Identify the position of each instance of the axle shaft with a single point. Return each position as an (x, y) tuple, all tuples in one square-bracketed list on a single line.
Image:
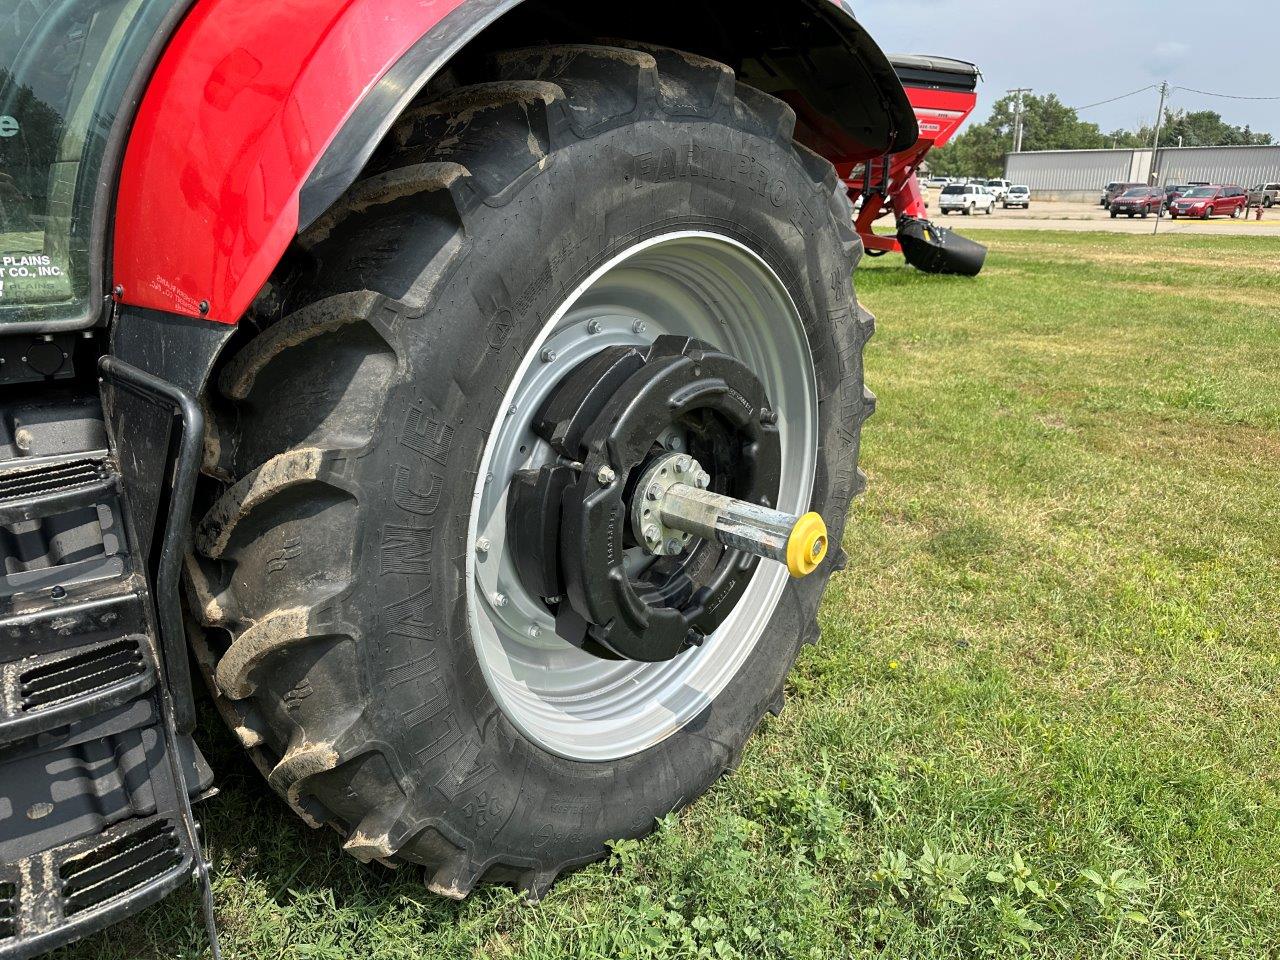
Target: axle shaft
[(799, 542)]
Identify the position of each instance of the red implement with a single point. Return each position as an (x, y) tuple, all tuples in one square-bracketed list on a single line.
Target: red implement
[(943, 93)]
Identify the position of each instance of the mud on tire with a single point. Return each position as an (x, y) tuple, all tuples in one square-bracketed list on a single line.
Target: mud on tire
[(328, 576)]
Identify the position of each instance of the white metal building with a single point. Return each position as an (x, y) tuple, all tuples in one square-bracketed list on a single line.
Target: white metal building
[(1081, 174)]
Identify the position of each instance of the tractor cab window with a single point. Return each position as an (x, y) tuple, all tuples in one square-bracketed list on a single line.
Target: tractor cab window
[(66, 67)]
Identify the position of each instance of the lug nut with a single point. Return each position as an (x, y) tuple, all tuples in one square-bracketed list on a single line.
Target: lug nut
[(701, 480), (482, 545), (499, 599), (606, 475), (534, 632), (654, 492), (652, 534), (549, 355), (593, 326), (639, 326)]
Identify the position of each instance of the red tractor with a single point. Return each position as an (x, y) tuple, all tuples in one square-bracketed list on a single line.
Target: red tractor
[(468, 392), (943, 94)]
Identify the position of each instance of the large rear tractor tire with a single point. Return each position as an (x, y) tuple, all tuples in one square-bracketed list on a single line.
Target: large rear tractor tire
[(367, 626)]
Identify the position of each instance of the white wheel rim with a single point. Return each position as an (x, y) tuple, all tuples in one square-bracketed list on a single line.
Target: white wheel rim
[(569, 702)]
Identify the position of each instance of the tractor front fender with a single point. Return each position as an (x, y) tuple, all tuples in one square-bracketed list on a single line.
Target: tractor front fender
[(259, 116)]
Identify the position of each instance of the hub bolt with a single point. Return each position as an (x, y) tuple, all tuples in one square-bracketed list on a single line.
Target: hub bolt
[(654, 492), (673, 443), (639, 326), (652, 534), (534, 632), (674, 546), (482, 545), (549, 355), (606, 475), (593, 326), (499, 599), (701, 480)]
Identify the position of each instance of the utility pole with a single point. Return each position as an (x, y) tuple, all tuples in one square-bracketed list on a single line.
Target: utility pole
[(1164, 93), (1155, 145), (1017, 117)]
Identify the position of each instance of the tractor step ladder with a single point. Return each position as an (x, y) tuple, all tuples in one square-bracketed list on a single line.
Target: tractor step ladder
[(83, 705)]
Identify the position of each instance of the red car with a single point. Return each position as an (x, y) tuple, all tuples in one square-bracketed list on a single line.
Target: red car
[(1139, 201), (1210, 201)]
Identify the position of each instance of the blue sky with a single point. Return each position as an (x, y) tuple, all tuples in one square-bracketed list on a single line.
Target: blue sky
[(1089, 50)]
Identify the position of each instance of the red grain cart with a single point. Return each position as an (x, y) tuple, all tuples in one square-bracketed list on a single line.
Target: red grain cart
[(943, 94)]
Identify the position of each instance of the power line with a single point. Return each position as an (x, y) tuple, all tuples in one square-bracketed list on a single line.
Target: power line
[(1224, 96), (1150, 86)]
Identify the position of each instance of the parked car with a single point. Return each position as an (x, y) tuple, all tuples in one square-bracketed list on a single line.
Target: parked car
[(1019, 195), (1114, 189), (1173, 191), (1139, 201), (937, 182), (999, 187), (967, 198), (1212, 201), (1266, 194)]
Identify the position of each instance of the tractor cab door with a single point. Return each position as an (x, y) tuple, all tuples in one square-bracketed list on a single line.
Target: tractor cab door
[(67, 71)]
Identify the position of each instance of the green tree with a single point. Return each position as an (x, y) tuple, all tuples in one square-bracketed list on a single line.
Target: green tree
[(1206, 128)]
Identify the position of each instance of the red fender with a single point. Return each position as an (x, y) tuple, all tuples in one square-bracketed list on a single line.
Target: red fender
[(227, 155), (244, 100)]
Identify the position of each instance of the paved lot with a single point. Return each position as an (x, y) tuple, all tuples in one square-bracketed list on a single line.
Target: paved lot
[(1062, 215)]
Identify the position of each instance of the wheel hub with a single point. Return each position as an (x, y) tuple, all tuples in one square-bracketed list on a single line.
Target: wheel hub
[(580, 514), (648, 526)]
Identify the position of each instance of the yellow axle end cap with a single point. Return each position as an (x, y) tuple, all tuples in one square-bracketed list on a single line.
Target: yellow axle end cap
[(807, 545)]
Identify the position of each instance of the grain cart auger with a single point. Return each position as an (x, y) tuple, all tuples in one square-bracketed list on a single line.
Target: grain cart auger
[(943, 94), (471, 404)]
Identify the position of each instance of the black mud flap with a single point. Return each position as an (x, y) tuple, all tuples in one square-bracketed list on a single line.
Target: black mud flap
[(935, 249), (96, 763)]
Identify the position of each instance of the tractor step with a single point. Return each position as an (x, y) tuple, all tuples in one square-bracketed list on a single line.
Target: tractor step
[(95, 772), (41, 693), (27, 493), (55, 894)]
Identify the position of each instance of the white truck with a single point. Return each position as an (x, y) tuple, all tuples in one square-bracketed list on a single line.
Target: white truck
[(966, 198)]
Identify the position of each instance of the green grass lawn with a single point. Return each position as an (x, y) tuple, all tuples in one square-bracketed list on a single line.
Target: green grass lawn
[(1043, 717)]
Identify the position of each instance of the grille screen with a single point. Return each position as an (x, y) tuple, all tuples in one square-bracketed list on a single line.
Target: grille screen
[(81, 673), (118, 866)]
